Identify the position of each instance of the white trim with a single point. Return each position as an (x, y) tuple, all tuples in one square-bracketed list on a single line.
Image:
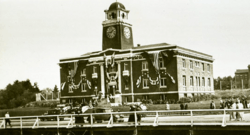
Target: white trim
[(195, 59), (151, 93), (131, 76), (119, 77), (102, 80), (77, 96)]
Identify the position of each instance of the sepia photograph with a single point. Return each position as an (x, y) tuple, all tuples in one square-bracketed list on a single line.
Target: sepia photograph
[(108, 67)]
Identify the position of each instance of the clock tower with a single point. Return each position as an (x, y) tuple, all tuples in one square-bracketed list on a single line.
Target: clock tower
[(117, 32)]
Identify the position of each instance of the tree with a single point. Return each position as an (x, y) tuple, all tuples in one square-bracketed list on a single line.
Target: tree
[(36, 88), (55, 89), (17, 94)]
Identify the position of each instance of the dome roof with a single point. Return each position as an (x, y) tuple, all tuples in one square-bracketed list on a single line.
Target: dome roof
[(116, 5)]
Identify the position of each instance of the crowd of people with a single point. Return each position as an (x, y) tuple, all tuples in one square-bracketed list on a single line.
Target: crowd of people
[(233, 104)]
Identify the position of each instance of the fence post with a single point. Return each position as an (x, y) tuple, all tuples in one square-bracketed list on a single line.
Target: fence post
[(91, 120), (4, 123), (224, 119), (135, 119), (21, 123), (192, 120), (37, 121), (156, 119), (112, 121), (58, 119)]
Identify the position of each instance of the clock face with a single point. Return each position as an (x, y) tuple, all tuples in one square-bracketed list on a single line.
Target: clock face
[(127, 32), (111, 31)]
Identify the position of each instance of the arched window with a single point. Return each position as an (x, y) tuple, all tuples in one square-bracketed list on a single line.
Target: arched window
[(123, 15), (113, 15)]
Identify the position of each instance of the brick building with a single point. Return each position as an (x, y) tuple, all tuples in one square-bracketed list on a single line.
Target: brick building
[(121, 72), (242, 79)]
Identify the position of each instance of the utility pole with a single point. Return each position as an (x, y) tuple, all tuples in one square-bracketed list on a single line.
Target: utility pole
[(231, 84), (242, 84), (220, 86)]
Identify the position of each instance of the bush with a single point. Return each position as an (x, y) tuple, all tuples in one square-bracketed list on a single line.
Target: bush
[(185, 100)]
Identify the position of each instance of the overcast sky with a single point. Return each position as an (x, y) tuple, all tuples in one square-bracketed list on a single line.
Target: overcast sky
[(35, 34)]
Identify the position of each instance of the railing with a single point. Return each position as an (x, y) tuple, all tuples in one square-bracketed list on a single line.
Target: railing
[(191, 118)]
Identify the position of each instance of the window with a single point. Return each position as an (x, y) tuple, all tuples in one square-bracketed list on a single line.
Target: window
[(163, 82), (84, 87), (84, 71), (94, 69), (197, 64), (203, 81), (145, 83), (125, 66), (202, 65), (191, 64), (184, 80), (209, 82), (70, 100), (126, 87), (70, 89), (208, 67), (162, 97), (183, 63), (198, 81), (196, 78), (161, 63), (145, 97), (144, 65), (191, 81), (125, 99)]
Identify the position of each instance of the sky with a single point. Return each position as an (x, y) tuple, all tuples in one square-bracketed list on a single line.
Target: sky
[(35, 34)]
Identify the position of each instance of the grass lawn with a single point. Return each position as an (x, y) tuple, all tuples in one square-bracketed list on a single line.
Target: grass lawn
[(29, 111)]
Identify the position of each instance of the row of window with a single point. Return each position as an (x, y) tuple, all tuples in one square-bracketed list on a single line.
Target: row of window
[(145, 64), (199, 81), (145, 83), (126, 66), (113, 69), (197, 64), (83, 88)]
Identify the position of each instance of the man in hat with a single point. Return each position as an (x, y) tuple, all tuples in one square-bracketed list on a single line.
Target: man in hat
[(7, 120)]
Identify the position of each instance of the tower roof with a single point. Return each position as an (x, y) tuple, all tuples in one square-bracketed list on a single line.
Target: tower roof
[(116, 5)]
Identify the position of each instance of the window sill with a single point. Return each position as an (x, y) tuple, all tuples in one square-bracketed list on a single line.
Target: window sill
[(163, 86), (126, 88), (70, 91), (162, 68), (144, 70), (84, 90), (145, 87)]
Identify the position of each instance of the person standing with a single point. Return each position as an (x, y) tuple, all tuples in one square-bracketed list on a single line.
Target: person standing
[(167, 106), (232, 113), (240, 114), (182, 108), (7, 119), (222, 104), (212, 105), (246, 103)]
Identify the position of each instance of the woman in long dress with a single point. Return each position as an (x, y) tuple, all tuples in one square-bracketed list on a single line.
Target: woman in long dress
[(240, 114), (232, 114), (132, 116)]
